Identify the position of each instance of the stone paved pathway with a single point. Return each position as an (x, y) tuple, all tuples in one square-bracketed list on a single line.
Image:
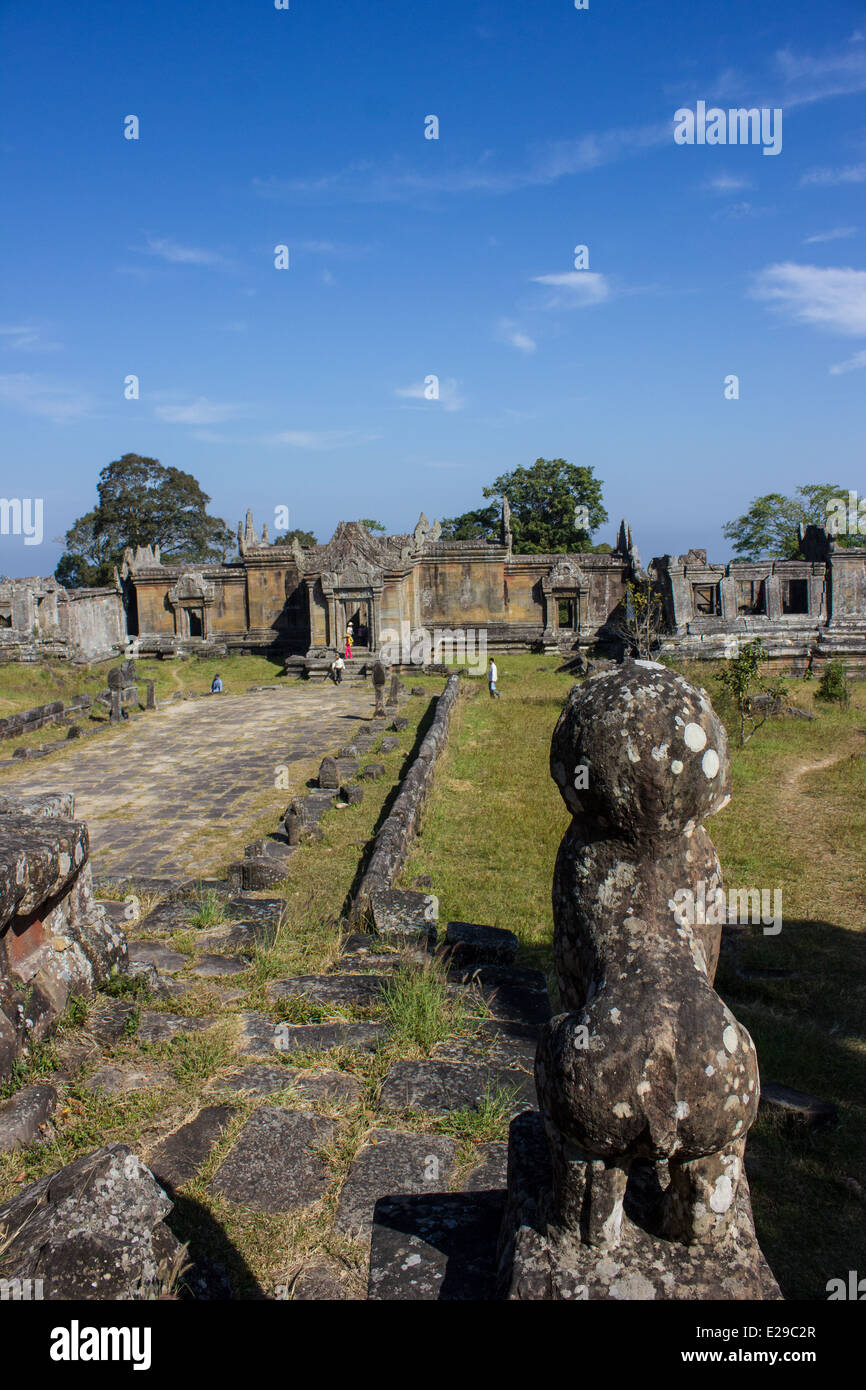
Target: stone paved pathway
[(171, 794)]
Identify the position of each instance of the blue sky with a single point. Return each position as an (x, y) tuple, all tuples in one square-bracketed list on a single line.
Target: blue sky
[(412, 257)]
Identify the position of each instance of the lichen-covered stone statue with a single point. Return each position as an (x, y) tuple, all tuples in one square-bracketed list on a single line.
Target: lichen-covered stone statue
[(647, 1083)]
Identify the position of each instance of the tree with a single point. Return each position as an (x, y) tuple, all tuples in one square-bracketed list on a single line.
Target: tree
[(304, 538), (375, 526), (141, 503), (753, 701), (771, 525), (555, 506), (643, 622), (480, 525)]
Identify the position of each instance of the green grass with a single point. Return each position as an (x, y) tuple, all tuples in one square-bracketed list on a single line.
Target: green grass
[(419, 1008)]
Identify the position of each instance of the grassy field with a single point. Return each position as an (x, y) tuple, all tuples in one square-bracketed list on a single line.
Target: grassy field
[(797, 820)]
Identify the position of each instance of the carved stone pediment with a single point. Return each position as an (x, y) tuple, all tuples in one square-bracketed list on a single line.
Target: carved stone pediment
[(191, 588), (565, 574)]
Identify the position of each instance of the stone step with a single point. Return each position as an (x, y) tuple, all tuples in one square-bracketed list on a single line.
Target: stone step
[(310, 1086), (512, 993), (798, 1107), (472, 944), (402, 916), (439, 1087)]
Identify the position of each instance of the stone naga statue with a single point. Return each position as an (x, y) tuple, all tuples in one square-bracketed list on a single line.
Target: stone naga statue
[(648, 1063)]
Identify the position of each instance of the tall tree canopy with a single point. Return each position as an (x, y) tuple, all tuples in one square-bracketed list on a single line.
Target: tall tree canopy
[(304, 538), (770, 528), (555, 506), (141, 503)]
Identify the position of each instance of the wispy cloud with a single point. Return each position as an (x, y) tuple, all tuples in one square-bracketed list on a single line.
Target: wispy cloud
[(26, 338), (852, 364), (728, 183), (166, 249), (59, 403), (580, 288), (852, 173), (836, 234), (365, 181), (449, 397), (200, 411), (320, 440), (509, 332), (832, 299)]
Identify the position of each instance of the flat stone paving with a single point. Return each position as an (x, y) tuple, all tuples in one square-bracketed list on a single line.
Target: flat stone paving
[(162, 795)]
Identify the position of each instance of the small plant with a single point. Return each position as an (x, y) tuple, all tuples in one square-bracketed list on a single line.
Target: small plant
[(740, 679), (210, 911), (127, 987), (196, 1056), (419, 1009), (833, 686), (488, 1120), (77, 1010)]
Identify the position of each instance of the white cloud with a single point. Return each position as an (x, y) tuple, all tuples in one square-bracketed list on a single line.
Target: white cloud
[(449, 396), (727, 183), (169, 250), (581, 288), (320, 440), (509, 332), (327, 278), (834, 299), (852, 364), (24, 338), (852, 173), (201, 411), (836, 234), (36, 397)]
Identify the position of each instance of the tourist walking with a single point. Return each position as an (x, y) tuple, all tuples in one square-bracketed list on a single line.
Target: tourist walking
[(349, 645), (216, 686), (337, 666), (492, 678)]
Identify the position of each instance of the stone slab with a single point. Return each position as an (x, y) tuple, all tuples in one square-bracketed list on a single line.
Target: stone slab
[(179, 1157), (308, 1085), (393, 1161), (160, 957), (158, 1028), (363, 991), (473, 944), (435, 1247), (439, 1087), (275, 1165)]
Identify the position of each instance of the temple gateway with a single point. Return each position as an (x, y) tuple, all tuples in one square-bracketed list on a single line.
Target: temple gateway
[(297, 603)]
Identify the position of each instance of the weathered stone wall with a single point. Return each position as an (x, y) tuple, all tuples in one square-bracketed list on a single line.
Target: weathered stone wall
[(42, 619), (41, 716), (55, 940), (400, 827)]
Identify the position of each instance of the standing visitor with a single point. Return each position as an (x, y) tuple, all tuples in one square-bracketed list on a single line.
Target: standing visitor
[(492, 678), (337, 669), (216, 686)]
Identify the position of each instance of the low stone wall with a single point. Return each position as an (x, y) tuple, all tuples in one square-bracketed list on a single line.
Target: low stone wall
[(400, 827), (26, 721), (55, 940)]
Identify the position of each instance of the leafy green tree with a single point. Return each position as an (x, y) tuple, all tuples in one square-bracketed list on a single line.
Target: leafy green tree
[(771, 525), (141, 503), (644, 617), (555, 506), (480, 525), (753, 699), (304, 538), (375, 526)]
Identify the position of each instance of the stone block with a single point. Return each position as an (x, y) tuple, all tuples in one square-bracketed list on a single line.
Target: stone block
[(275, 1165)]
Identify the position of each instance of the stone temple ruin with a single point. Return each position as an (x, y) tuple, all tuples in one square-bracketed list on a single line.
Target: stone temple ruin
[(296, 603)]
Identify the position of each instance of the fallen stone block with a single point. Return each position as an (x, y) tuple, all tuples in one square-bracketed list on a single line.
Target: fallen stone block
[(472, 944), (399, 915), (373, 771), (94, 1230), (25, 1116), (353, 796), (798, 1107)]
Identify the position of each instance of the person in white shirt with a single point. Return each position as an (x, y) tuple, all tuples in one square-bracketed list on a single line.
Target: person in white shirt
[(492, 678), (337, 669)]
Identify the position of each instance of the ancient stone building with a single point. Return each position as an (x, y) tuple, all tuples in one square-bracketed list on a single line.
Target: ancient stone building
[(39, 618), (404, 591)]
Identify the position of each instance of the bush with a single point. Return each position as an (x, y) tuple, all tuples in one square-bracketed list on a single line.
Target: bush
[(834, 685)]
